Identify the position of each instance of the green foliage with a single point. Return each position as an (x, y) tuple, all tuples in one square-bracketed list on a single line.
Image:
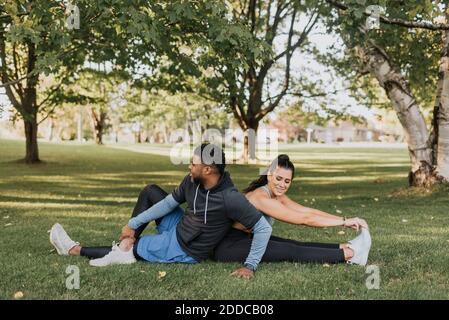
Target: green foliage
[(162, 111), (298, 115), (414, 51)]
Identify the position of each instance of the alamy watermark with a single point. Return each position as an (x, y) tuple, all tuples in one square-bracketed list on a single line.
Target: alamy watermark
[(262, 146), (72, 282), (374, 12), (73, 20), (373, 280)]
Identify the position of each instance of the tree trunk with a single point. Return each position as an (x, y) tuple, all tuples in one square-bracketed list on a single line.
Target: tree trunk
[(407, 110), (441, 115), (99, 135), (249, 144), (98, 125), (51, 129), (79, 125), (32, 150)]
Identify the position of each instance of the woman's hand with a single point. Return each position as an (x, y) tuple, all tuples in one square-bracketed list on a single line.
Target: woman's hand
[(127, 232), (356, 223)]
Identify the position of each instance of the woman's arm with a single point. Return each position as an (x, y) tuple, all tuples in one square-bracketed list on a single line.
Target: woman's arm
[(297, 207), (280, 211), (354, 223)]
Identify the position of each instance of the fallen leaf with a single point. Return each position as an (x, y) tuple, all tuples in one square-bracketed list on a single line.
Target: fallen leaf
[(18, 295), (161, 274), (341, 232)]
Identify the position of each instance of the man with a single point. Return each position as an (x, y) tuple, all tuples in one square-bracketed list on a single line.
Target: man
[(213, 205)]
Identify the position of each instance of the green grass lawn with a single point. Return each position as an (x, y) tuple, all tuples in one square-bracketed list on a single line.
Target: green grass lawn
[(91, 191)]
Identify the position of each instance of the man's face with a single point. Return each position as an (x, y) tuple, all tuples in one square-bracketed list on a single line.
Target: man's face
[(196, 168)]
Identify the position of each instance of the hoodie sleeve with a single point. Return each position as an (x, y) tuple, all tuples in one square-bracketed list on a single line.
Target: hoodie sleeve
[(179, 193), (160, 209), (239, 209), (262, 232)]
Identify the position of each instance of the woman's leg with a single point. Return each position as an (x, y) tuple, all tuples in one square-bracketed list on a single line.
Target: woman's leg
[(236, 247), (149, 196), (307, 244)]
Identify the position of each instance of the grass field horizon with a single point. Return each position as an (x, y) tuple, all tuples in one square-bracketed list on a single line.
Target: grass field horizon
[(91, 191)]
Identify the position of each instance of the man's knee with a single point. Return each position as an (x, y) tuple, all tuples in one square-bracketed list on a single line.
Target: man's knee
[(149, 189)]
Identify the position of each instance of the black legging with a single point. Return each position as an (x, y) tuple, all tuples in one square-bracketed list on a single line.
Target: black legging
[(150, 195), (236, 245)]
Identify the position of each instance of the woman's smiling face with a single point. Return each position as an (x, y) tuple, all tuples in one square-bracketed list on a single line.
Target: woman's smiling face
[(279, 181)]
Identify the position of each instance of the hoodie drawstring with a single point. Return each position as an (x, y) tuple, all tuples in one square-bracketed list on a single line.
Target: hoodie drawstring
[(207, 201), (205, 210), (194, 200)]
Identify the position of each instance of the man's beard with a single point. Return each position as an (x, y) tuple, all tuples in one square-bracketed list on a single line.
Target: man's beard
[(196, 180)]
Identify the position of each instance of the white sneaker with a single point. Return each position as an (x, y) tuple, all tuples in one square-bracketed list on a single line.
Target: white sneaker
[(361, 246), (116, 256), (61, 240)]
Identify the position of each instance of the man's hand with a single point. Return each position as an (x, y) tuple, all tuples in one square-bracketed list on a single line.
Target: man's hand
[(356, 223), (244, 273), (127, 232)]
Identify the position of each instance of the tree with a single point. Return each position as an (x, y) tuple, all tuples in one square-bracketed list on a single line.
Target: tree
[(98, 89), (35, 41), (246, 64), (404, 63)]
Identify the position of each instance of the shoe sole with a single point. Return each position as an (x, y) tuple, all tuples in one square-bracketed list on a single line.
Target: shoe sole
[(53, 243), (367, 248), (112, 264)]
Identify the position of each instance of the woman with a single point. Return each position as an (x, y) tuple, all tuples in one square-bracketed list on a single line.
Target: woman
[(268, 195)]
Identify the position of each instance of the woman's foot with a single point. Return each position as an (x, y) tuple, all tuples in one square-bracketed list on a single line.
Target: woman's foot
[(361, 246), (61, 240)]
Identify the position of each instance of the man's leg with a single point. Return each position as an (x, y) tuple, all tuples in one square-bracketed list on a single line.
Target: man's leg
[(149, 196)]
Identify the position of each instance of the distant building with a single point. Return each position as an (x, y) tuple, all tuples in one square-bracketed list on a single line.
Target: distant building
[(345, 131)]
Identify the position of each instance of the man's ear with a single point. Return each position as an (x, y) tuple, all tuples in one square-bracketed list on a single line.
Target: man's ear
[(209, 170), (206, 170)]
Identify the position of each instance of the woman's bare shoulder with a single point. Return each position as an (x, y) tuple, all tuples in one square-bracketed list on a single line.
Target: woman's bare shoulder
[(257, 194)]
